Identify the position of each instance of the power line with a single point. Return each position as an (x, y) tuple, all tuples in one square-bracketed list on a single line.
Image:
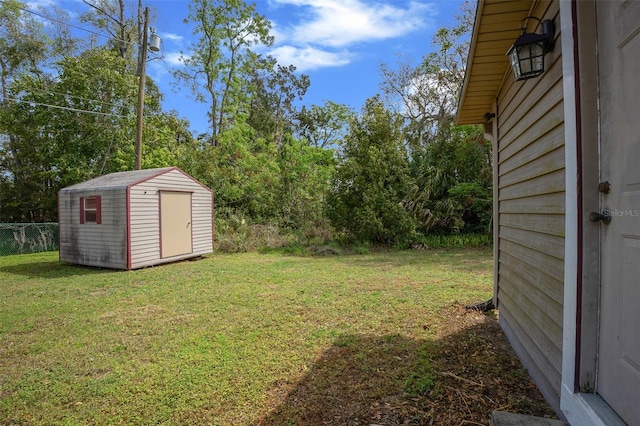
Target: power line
[(32, 89), (72, 25), (66, 94), (108, 114)]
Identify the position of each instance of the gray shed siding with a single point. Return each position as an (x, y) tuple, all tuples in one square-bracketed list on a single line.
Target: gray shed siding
[(103, 245), (145, 217), (531, 215), (128, 236)]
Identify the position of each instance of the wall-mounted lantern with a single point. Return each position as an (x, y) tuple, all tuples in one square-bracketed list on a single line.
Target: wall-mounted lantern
[(527, 53)]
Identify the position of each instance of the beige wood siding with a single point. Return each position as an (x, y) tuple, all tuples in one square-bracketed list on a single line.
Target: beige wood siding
[(531, 207), (103, 245), (145, 219)]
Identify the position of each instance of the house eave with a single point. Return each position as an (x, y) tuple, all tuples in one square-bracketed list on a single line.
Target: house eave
[(496, 27)]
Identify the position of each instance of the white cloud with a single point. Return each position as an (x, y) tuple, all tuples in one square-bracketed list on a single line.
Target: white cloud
[(37, 4), (279, 35), (172, 37), (340, 23), (175, 58), (327, 31), (310, 58)]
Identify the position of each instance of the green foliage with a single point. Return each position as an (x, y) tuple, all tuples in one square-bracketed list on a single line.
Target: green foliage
[(453, 191), (439, 241), (274, 89), (290, 176), (324, 126), (304, 175), (86, 133), (244, 174), (450, 165), (50, 148), (421, 382), (362, 249), (237, 234), (221, 59), (167, 141), (110, 16), (371, 180), (22, 43)]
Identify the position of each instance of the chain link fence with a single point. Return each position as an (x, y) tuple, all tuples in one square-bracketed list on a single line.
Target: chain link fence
[(20, 238)]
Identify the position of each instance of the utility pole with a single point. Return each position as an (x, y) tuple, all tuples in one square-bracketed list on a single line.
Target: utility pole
[(142, 54)]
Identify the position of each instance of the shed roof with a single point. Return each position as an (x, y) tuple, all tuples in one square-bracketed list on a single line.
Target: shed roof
[(119, 180), (497, 26)]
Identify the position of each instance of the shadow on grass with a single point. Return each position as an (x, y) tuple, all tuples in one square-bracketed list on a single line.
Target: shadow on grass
[(51, 269), (459, 378)]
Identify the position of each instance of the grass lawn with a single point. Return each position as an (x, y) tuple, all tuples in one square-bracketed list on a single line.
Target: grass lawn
[(248, 339)]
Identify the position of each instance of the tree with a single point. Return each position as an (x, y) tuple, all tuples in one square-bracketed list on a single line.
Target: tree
[(304, 181), (22, 47), (451, 165), (372, 179), (22, 43), (65, 128), (77, 124), (427, 94), (274, 89), (63, 43), (324, 126), (67, 114), (110, 16), (453, 179), (245, 174), (221, 57)]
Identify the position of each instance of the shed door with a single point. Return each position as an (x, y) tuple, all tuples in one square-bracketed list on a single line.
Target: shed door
[(618, 380), (175, 223)]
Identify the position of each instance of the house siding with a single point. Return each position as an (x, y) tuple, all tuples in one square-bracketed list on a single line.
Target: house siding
[(531, 215), (145, 217), (101, 245)]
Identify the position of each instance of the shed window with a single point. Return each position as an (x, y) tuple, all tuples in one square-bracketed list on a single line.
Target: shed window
[(90, 210)]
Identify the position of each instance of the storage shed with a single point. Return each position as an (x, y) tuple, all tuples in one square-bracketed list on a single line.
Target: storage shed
[(134, 219)]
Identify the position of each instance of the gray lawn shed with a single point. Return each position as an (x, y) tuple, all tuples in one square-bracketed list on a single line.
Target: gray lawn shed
[(134, 219)]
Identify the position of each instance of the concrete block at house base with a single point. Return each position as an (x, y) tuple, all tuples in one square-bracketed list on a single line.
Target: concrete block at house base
[(502, 418)]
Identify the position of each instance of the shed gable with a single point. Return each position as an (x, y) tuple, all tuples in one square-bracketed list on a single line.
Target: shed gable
[(144, 215)]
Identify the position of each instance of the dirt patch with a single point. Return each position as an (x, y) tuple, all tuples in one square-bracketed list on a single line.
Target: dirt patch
[(478, 373), (458, 378)]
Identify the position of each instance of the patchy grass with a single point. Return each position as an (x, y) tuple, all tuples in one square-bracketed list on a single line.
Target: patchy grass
[(248, 339)]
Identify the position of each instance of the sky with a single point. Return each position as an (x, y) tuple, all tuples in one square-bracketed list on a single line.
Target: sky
[(339, 44)]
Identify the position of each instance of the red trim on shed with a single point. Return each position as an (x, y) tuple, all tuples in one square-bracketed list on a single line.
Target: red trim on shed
[(128, 226), (59, 232), (169, 170), (159, 193), (98, 209)]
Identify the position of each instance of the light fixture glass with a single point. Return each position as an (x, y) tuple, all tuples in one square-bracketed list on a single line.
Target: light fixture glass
[(527, 53)]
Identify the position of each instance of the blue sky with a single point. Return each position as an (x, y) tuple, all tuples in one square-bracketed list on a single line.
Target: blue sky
[(340, 44)]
